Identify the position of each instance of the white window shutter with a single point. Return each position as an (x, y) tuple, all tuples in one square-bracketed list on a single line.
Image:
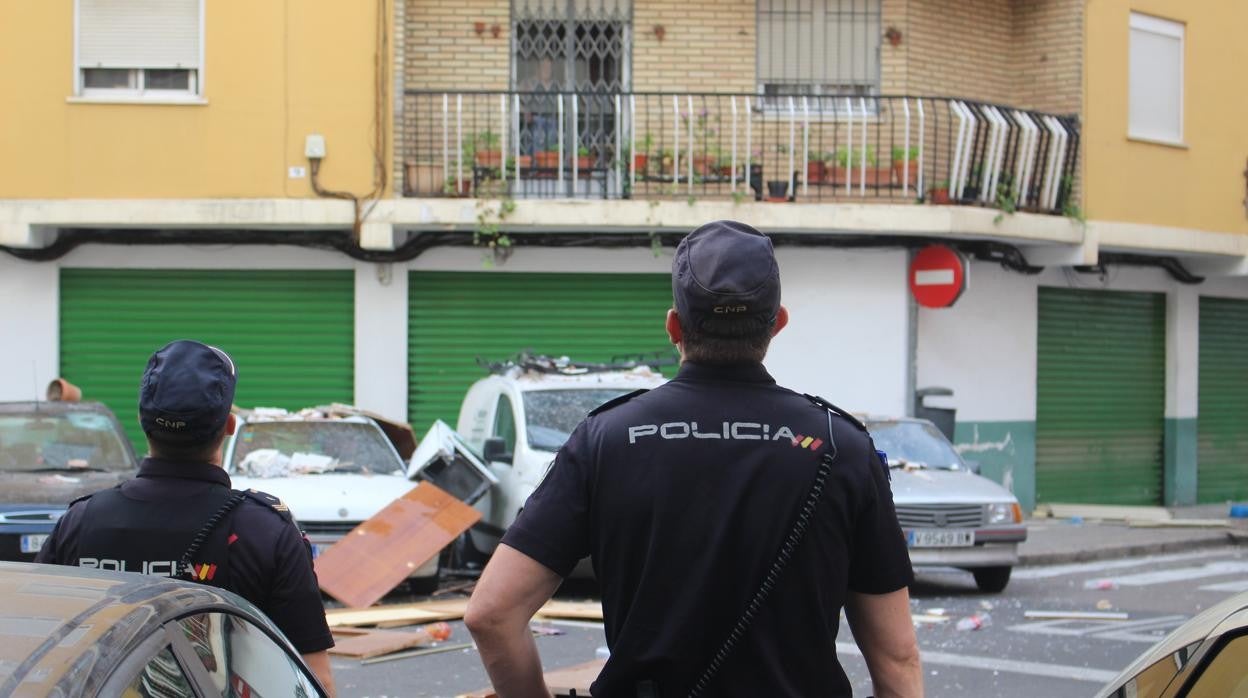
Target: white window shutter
[(1156, 79), (138, 33)]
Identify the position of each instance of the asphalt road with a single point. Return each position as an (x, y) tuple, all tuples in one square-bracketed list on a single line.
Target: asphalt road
[(1008, 655)]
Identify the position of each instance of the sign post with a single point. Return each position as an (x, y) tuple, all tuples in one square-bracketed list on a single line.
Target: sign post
[(937, 276)]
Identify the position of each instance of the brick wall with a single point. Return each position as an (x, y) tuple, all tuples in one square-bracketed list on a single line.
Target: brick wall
[(1048, 55), (707, 45), (444, 51), (958, 48)]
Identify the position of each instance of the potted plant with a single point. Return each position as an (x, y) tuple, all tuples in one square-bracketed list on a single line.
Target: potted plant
[(455, 187), (667, 164), (777, 190), (546, 159), (816, 169), (486, 147), (584, 161), (905, 160), (642, 155), (723, 165), (939, 194)]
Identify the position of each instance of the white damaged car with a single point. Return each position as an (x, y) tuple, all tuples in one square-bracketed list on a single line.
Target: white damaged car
[(334, 472)]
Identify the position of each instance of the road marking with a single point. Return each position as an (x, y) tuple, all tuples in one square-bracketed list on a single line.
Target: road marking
[(1128, 631), (1183, 574), (1235, 587), (1060, 671), (1100, 565)]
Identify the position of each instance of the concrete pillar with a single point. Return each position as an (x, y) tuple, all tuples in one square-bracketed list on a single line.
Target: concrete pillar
[(29, 327), (381, 339), (1182, 375)]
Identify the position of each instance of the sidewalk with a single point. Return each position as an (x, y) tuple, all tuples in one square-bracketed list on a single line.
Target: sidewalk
[(1054, 541)]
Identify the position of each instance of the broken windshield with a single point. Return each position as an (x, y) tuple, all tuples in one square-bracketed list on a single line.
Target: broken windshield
[(282, 449), (551, 415), (67, 441), (914, 443)]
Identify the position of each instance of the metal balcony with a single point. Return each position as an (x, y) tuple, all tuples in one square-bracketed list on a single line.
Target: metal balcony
[(736, 146)]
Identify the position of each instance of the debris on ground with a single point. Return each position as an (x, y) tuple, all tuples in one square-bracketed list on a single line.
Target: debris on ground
[(975, 621), (1179, 523), (576, 610), (1103, 512), (405, 614), (545, 630), (1074, 615), (1104, 605), (444, 459), (382, 551), (363, 644), (1101, 584), (569, 681), (418, 653)]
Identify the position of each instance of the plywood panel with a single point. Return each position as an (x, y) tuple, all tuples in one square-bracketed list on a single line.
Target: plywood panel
[(382, 551)]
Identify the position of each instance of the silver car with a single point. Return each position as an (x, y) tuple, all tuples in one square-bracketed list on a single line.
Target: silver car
[(951, 516)]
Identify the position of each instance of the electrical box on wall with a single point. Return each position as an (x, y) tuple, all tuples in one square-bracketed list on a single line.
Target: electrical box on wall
[(314, 147)]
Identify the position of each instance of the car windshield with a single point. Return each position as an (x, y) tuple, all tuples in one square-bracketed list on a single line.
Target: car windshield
[(36, 442), (551, 415), (283, 449), (914, 443)]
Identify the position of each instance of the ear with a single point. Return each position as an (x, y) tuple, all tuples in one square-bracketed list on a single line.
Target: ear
[(673, 326), (782, 319), (231, 425)]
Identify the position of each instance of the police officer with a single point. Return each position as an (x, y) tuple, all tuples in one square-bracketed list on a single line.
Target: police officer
[(179, 517), (686, 498)]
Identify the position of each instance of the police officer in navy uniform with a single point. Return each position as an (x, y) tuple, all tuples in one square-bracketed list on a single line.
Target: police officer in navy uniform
[(685, 496), (179, 517)]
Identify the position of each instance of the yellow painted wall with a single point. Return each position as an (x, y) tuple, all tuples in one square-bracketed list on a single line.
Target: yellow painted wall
[(274, 72), (1201, 186)]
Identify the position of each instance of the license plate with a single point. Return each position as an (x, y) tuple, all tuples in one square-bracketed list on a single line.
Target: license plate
[(34, 542), (938, 538)]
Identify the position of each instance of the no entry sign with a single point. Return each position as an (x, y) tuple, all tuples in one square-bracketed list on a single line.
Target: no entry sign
[(937, 276)]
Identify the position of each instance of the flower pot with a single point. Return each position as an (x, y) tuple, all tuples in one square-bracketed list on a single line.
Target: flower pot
[(703, 164), (777, 189), (583, 162), (874, 176), (61, 390), (816, 171), (489, 158), (639, 163), (546, 159), (835, 175), (938, 195), (899, 172), (724, 171), (457, 188)]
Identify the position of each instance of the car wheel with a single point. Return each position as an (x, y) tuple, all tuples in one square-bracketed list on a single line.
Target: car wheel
[(991, 580)]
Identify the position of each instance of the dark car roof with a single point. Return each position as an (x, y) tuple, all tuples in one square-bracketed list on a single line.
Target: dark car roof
[(68, 627)]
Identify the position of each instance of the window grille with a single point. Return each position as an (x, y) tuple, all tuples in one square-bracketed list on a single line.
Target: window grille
[(818, 48)]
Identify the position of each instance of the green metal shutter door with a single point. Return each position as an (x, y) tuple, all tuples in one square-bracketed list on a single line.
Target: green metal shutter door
[(456, 317), (1100, 403), (1222, 418), (291, 333)]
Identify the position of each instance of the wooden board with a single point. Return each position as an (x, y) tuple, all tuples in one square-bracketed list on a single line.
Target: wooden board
[(381, 552), (396, 614), (579, 610), (1180, 523), (1104, 511), (349, 642), (561, 682)]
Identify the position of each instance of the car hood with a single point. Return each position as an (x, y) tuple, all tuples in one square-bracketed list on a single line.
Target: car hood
[(948, 486), (55, 488), (331, 496)]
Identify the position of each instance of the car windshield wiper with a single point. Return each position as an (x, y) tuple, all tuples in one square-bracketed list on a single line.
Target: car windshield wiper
[(68, 469)]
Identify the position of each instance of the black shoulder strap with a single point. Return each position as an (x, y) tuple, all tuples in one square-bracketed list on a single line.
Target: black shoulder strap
[(836, 411), (616, 401), (184, 564)]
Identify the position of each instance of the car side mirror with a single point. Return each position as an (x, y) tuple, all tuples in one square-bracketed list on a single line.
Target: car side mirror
[(494, 450), (973, 466)]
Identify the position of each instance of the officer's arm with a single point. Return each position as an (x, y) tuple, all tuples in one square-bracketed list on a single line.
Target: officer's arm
[(318, 662), (884, 632), (512, 588)]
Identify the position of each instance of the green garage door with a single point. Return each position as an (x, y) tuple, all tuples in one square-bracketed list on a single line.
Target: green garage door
[(1222, 420), (290, 332), (457, 317), (1100, 403)]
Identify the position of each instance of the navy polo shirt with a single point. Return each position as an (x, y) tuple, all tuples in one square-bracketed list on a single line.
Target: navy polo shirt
[(682, 497), (270, 562)]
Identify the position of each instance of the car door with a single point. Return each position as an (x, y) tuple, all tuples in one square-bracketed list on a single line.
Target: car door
[(510, 493), (227, 654)]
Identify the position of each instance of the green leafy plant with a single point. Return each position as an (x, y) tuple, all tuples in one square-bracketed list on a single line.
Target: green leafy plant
[(488, 235), (845, 157), (901, 154), (582, 151)]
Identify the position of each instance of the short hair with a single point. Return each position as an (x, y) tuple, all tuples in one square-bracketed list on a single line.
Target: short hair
[(704, 348), (192, 452)]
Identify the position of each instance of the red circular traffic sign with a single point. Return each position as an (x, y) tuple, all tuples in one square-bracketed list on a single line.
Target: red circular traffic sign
[(937, 276)]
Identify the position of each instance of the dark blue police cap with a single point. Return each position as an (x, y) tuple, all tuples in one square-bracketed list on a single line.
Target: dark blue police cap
[(725, 280), (186, 393)]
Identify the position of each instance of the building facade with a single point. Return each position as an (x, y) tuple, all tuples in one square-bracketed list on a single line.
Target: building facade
[(360, 202)]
